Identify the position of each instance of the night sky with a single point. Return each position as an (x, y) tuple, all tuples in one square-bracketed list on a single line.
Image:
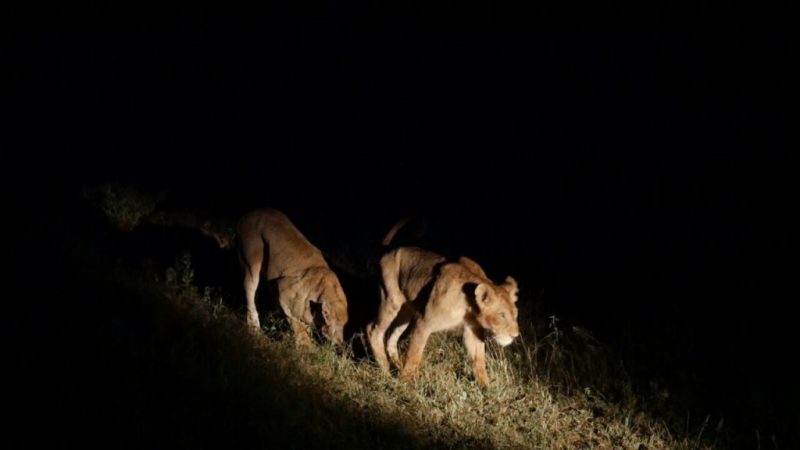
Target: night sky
[(637, 165)]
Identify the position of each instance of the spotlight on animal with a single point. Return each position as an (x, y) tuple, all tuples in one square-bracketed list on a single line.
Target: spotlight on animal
[(270, 245), (421, 287)]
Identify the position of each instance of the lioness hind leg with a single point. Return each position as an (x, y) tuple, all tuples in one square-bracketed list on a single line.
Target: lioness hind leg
[(250, 287), (392, 299), (376, 331), (402, 322), (251, 257)]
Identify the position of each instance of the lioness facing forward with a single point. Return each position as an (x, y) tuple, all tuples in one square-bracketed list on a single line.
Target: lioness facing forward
[(271, 244), (442, 296)]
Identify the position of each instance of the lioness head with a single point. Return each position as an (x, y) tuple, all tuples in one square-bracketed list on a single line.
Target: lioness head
[(334, 310), (497, 310), (224, 234)]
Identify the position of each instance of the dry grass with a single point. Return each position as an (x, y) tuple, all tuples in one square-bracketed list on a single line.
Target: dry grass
[(185, 373), (346, 402)]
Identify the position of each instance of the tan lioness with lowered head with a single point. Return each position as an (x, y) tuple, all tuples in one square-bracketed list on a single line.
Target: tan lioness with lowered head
[(270, 244), (421, 286)]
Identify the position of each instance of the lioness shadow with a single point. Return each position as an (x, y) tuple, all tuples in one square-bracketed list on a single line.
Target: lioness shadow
[(363, 299)]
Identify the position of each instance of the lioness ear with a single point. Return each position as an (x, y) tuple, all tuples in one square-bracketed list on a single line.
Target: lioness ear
[(510, 285), (482, 295)]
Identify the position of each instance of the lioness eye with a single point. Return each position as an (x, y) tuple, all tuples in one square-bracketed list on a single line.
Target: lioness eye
[(503, 315)]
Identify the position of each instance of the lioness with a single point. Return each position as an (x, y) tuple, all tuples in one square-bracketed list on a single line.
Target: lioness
[(442, 296), (220, 231), (270, 243)]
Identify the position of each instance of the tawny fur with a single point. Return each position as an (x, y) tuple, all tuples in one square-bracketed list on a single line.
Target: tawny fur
[(420, 287), (271, 245)]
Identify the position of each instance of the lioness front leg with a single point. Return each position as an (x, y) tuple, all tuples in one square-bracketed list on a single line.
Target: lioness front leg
[(476, 349), (302, 335), (296, 307), (376, 331), (416, 348)]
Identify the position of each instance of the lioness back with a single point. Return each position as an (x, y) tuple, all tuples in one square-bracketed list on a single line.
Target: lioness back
[(412, 267), (288, 251)]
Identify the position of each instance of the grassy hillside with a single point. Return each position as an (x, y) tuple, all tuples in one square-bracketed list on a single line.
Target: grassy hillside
[(113, 357)]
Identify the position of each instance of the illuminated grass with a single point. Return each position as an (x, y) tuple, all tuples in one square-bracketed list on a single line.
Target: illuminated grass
[(184, 372), (326, 395)]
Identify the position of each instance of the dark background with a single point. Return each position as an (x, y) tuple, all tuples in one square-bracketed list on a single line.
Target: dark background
[(636, 164)]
